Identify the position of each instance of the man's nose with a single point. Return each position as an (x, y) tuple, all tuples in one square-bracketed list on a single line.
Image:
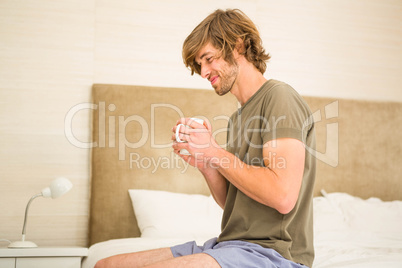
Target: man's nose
[(205, 72)]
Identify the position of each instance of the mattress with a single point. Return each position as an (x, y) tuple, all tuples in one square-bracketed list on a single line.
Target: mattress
[(348, 232)]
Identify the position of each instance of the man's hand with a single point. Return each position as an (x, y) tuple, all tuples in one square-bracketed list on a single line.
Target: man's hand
[(198, 142)]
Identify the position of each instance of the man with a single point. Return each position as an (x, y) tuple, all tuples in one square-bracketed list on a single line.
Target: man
[(264, 179)]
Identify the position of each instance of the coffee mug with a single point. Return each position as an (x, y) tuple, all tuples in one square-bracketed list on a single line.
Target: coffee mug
[(199, 121)]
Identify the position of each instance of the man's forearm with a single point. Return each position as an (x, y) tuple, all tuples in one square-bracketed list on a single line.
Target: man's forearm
[(216, 183)]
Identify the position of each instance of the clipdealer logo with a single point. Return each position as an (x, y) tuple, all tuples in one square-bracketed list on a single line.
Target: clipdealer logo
[(331, 154), (109, 124)]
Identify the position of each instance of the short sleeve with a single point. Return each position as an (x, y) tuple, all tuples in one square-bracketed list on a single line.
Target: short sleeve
[(286, 115)]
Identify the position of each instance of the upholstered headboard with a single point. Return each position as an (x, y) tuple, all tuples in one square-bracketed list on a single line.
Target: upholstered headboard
[(358, 148)]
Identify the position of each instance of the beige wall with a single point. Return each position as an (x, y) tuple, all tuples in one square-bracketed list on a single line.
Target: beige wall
[(51, 52)]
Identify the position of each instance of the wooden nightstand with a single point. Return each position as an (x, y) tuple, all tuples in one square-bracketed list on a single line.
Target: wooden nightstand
[(41, 257)]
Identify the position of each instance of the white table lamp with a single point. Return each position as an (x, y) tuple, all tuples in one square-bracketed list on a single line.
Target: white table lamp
[(57, 188)]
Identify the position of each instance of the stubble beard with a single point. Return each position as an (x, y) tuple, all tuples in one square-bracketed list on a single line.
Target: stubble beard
[(228, 78)]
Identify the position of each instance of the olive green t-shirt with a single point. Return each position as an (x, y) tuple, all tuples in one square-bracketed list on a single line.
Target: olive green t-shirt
[(275, 111)]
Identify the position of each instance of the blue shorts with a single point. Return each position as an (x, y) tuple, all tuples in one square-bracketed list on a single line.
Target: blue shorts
[(236, 254)]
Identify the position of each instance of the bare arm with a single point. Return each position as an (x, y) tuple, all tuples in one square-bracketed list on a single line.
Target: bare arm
[(275, 185), (278, 184), (217, 185)]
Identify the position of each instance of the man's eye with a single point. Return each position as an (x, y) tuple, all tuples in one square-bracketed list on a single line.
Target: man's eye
[(210, 59)]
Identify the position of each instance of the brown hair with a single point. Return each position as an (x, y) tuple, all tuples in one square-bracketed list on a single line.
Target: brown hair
[(223, 29)]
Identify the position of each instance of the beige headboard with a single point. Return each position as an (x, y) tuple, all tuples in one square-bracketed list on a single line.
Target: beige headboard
[(358, 147)]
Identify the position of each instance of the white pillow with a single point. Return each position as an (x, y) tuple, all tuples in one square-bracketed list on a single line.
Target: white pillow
[(374, 216), (174, 215), (342, 211), (327, 216)]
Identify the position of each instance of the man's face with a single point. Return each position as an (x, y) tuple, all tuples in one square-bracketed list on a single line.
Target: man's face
[(220, 73)]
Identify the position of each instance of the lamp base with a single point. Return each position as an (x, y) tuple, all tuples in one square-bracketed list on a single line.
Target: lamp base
[(22, 244)]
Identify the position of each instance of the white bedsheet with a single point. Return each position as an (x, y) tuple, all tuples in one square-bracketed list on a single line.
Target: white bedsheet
[(349, 232)]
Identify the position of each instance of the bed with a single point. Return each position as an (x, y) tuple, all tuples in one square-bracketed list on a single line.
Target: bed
[(143, 196)]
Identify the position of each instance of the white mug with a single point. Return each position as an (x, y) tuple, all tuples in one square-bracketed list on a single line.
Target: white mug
[(199, 121)]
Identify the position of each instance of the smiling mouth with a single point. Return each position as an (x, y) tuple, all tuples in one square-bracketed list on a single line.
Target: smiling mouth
[(213, 80)]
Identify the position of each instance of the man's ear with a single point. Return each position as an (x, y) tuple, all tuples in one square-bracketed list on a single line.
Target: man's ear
[(239, 48)]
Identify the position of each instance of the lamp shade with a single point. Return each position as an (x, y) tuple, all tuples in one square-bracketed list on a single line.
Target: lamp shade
[(58, 187)]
